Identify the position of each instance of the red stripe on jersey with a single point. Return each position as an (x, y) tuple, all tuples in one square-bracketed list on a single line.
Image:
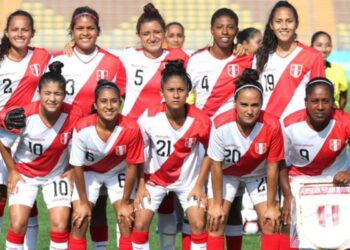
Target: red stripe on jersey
[(225, 84), (130, 136), (295, 117), (269, 137), (284, 91), (170, 171), (27, 86), (109, 63), (150, 94), (326, 157), (44, 163)]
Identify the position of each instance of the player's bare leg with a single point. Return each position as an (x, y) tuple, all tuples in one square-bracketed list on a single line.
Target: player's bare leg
[(270, 236), (143, 219), (199, 236), (19, 215), (125, 230), (59, 219), (216, 237)]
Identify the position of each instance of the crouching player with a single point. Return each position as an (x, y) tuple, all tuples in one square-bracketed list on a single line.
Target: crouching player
[(173, 131), (246, 144), (40, 161), (315, 145), (106, 148)]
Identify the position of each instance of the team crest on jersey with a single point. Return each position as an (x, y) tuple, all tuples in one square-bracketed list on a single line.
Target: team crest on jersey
[(101, 74), (260, 148), (296, 70), (35, 69), (334, 144), (233, 70), (120, 150), (189, 142), (328, 215), (65, 137)]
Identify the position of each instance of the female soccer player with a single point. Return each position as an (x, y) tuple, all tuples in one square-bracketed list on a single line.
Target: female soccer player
[(213, 70), (40, 161), (174, 154), (142, 90), (251, 39), (316, 139), (322, 41), (245, 145), (106, 148), (174, 35), (285, 65), (20, 69), (88, 64)]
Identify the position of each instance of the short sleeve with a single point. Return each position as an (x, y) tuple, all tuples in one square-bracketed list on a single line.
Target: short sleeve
[(135, 154), (77, 153), (216, 150), (7, 138), (276, 152)]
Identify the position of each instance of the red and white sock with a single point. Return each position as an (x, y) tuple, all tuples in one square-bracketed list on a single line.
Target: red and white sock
[(99, 237), (14, 241), (285, 243), (233, 235), (31, 237), (216, 242), (199, 241), (270, 242), (2, 209), (59, 240), (125, 243), (76, 244), (140, 240)]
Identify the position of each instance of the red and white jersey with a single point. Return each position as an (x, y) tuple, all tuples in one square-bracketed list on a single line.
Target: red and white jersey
[(125, 145), (310, 152), (284, 79), (19, 80), (82, 75), (42, 150), (213, 79), (245, 156), (174, 152), (142, 89)]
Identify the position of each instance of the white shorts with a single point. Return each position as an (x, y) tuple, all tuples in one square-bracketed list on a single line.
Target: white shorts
[(256, 188), (157, 194), (114, 184), (56, 192)]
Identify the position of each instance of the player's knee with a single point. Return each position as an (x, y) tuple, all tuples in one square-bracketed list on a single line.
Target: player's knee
[(197, 226), (59, 225), (18, 226), (266, 228), (141, 225)]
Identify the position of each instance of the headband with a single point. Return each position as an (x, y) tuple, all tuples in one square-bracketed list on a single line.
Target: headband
[(84, 14), (317, 80), (247, 86)]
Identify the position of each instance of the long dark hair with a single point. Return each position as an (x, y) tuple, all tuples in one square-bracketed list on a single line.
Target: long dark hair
[(269, 42), (5, 42)]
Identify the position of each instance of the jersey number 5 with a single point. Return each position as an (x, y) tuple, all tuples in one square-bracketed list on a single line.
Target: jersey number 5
[(138, 77)]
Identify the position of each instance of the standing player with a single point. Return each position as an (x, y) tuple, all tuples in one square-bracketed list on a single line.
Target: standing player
[(174, 153), (20, 69), (106, 148), (285, 65), (174, 35), (322, 41), (88, 64), (246, 145), (213, 71), (315, 140), (142, 90), (40, 161)]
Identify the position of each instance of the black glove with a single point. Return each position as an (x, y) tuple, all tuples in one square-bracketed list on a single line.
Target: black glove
[(15, 119)]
